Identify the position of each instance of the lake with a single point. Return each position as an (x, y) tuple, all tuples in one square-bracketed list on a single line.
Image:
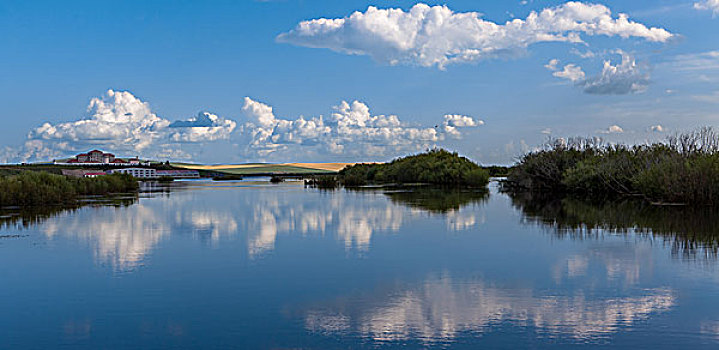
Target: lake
[(252, 265)]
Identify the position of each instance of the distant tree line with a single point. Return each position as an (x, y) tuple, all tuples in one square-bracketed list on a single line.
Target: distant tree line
[(684, 169)]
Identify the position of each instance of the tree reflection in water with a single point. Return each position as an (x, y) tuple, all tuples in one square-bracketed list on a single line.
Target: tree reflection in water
[(437, 200), (692, 232), (26, 217)]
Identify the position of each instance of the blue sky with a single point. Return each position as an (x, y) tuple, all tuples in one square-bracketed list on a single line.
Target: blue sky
[(218, 66)]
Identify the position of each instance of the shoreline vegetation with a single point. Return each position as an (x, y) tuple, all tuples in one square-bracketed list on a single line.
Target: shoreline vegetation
[(683, 170), (36, 188), (437, 167)]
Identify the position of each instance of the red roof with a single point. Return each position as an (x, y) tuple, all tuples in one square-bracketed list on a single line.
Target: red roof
[(95, 173), (119, 161), (108, 154), (94, 151), (72, 161), (82, 154)]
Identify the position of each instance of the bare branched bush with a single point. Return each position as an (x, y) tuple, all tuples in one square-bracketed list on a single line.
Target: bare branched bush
[(702, 141)]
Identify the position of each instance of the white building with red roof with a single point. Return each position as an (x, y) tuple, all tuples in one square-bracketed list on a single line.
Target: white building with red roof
[(97, 157)]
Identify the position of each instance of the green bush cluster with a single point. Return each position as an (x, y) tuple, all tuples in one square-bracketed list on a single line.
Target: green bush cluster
[(30, 188), (438, 167), (672, 172)]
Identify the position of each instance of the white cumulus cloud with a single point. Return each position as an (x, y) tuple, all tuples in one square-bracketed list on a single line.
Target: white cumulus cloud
[(436, 36), (624, 78), (204, 127), (122, 123), (620, 79), (119, 118), (571, 72), (452, 123), (552, 64), (614, 129), (351, 130), (712, 5), (657, 128)]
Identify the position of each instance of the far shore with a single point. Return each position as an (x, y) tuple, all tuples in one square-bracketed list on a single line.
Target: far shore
[(335, 167)]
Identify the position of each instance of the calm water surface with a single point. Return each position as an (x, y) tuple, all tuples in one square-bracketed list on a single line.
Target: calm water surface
[(250, 265)]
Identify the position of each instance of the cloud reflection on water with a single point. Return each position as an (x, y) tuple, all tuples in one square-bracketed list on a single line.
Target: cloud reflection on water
[(441, 309), (623, 264), (122, 237)]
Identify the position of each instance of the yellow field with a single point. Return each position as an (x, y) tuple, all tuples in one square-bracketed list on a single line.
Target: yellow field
[(321, 166)]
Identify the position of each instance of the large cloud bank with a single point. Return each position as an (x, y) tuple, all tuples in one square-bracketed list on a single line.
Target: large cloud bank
[(622, 78), (436, 36), (351, 129), (121, 122)]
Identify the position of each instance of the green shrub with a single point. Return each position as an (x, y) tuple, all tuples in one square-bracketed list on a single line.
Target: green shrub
[(691, 181), (543, 170), (683, 170)]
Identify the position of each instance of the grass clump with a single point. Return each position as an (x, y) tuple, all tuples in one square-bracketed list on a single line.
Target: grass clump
[(437, 167)]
